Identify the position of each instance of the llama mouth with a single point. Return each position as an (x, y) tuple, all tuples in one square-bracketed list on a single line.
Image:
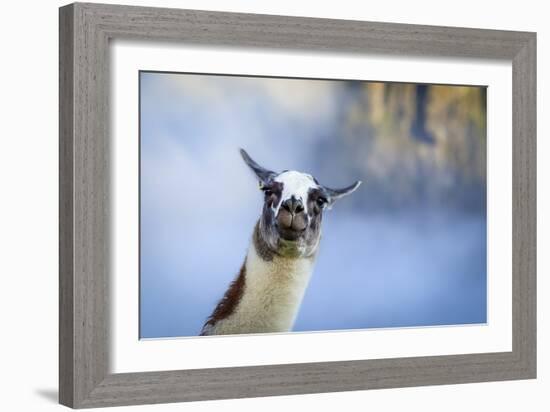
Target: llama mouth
[(291, 226), (290, 233)]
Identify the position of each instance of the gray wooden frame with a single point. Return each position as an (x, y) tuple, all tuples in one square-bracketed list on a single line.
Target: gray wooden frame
[(85, 31)]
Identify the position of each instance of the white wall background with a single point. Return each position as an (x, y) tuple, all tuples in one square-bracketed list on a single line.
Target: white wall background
[(28, 206)]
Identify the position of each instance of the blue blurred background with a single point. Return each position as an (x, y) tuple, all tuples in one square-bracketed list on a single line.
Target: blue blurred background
[(407, 249)]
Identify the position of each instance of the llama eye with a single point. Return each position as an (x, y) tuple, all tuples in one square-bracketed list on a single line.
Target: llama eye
[(268, 192), (321, 201)]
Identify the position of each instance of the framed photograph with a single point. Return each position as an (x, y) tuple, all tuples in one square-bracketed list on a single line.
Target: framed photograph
[(257, 205)]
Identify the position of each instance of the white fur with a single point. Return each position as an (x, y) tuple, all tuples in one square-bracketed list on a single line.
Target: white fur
[(272, 295), (295, 184)]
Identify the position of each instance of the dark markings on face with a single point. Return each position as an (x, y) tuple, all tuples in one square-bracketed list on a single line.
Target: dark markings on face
[(272, 193), (317, 201), (226, 306), (262, 248)]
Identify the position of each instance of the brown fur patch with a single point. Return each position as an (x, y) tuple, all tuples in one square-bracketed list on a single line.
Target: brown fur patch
[(229, 302), (262, 249)]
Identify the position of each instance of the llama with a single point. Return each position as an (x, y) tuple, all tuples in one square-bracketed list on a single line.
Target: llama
[(267, 293)]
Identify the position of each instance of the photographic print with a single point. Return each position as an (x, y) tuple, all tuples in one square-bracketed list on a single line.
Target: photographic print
[(279, 205)]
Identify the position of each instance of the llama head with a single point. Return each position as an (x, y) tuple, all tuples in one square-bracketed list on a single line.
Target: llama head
[(292, 213)]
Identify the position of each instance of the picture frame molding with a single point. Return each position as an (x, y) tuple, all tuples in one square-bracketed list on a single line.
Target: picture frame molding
[(85, 32)]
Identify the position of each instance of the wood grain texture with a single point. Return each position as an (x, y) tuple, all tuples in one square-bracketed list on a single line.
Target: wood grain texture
[(66, 228), (84, 253), (524, 207), (85, 31)]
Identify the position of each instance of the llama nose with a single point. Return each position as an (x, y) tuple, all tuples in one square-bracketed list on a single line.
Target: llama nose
[(293, 205)]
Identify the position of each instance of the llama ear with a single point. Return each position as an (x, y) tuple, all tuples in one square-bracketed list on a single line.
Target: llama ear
[(335, 194), (263, 174)]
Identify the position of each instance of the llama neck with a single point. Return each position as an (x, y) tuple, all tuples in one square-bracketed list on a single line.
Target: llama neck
[(270, 291)]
